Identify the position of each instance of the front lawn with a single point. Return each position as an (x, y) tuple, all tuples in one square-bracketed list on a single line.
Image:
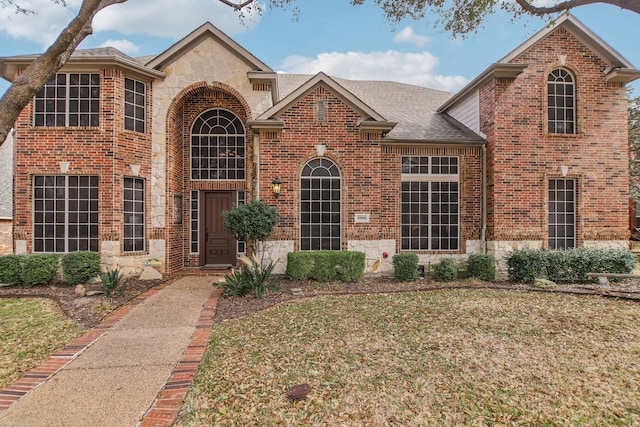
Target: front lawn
[(31, 329), (451, 357)]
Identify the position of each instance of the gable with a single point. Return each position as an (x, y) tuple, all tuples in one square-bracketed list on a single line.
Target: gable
[(370, 119), (196, 37)]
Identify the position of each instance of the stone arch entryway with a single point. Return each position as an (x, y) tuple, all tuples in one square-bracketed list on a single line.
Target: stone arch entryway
[(209, 168)]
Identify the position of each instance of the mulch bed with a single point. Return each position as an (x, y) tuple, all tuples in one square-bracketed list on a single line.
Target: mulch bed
[(90, 310)]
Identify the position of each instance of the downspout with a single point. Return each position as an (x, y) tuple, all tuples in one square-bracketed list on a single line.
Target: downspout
[(484, 199)]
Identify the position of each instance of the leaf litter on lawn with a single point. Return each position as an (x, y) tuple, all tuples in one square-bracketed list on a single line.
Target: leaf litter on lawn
[(476, 357)]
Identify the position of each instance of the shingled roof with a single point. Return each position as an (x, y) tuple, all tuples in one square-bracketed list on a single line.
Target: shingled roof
[(412, 107)]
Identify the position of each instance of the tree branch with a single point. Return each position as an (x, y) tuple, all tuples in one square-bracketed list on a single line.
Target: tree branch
[(237, 6), (632, 5), (27, 84)]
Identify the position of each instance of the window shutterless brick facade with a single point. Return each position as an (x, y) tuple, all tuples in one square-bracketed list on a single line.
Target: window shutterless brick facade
[(523, 155), (104, 151)]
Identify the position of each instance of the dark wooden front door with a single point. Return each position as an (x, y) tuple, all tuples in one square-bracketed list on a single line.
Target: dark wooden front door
[(219, 244)]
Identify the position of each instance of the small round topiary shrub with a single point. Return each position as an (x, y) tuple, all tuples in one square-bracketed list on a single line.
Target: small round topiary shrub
[(445, 270)]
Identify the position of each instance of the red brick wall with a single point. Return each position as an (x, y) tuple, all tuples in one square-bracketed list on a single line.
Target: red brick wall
[(105, 151), (522, 156), (370, 171)]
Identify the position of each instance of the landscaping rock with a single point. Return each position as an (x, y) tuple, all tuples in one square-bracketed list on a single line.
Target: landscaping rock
[(150, 273), (80, 290)]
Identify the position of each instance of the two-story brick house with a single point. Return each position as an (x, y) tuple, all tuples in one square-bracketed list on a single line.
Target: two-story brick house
[(137, 157)]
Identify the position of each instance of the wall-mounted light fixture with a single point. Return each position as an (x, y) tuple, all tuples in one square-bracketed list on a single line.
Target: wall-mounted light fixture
[(64, 167), (275, 186), (564, 170), (135, 170)]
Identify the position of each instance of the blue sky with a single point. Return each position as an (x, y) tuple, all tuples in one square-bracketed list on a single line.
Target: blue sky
[(329, 35)]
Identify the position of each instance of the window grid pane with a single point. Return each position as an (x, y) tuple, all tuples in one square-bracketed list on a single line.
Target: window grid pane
[(561, 102), (194, 222), (430, 208), (241, 246), (217, 147), (134, 105), (134, 215), (68, 100), (562, 214), (65, 213), (320, 206)]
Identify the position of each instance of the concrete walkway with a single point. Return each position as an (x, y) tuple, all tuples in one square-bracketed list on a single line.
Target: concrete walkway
[(133, 369)]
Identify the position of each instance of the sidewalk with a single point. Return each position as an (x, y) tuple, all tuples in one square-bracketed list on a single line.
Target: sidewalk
[(133, 369)]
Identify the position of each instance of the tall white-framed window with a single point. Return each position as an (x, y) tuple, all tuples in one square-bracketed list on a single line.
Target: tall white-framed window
[(430, 208), (561, 106), (65, 213), (134, 105), (320, 206), (241, 245), (217, 146), (134, 237), (194, 223), (71, 99), (562, 213)]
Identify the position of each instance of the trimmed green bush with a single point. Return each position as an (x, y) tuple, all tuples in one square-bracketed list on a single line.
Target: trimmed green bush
[(567, 265), (445, 270), (324, 266), (526, 265), (38, 269), (482, 266), (80, 266), (405, 267), (10, 269)]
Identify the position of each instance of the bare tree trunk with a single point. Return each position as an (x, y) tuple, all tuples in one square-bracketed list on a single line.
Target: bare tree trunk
[(27, 84)]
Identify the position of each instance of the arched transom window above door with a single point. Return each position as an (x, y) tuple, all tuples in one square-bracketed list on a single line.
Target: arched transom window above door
[(217, 146), (320, 206)]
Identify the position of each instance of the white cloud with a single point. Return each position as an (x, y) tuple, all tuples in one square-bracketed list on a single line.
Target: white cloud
[(165, 18), (408, 35), (169, 18), (123, 45), (412, 68), (41, 28)]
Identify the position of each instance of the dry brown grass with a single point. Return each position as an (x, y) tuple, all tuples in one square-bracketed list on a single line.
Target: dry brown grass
[(470, 357), (30, 330)]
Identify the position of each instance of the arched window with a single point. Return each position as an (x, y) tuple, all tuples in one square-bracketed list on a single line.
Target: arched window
[(320, 207), (217, 146), (561, 115)]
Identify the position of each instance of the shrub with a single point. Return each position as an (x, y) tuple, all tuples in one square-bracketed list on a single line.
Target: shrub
[(445, 270), (567, 265), (300, 265), (526, 265), (405, 267), (252, 222), (326, 265), (10, 269), (252, 277), (111, 280), (38, 269), (482, 266), (80, 266)]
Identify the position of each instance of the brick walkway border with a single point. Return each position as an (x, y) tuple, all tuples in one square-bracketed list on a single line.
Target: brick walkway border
[(165, 408)]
